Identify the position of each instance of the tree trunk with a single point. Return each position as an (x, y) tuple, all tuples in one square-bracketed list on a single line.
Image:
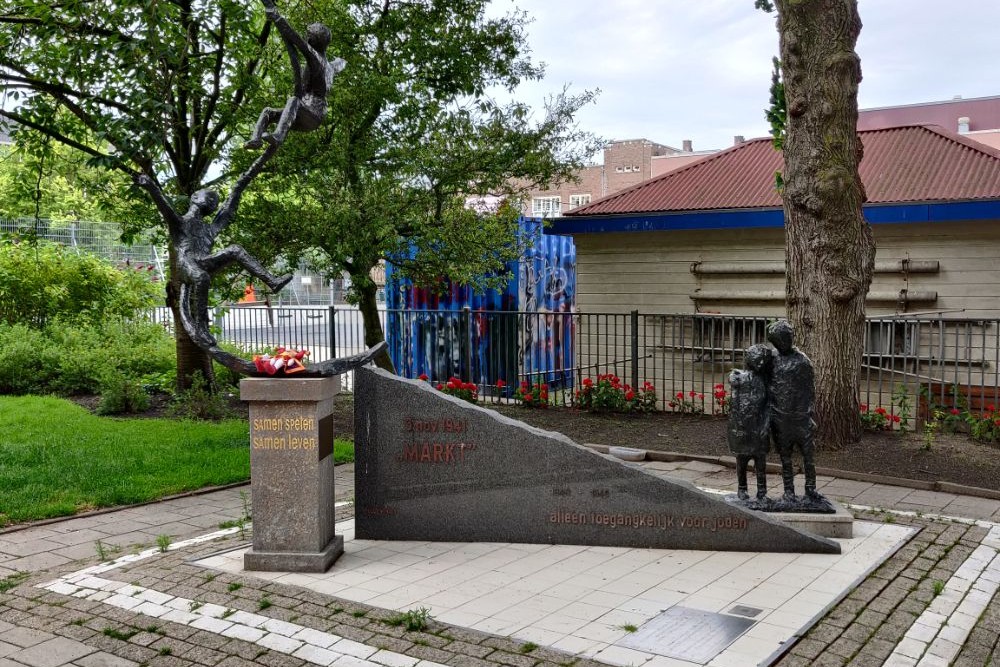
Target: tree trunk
[(829, 248), (191, 359), (368, 306)]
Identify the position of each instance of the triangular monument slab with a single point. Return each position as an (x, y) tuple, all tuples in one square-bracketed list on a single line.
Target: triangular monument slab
[(432, 467)]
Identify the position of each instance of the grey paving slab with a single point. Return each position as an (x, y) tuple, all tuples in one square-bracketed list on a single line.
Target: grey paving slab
[(4, 662), (6, 649), (27, 547), (977, 508), (881, 496), (36, 562), (930, 498), (102, 659), (80, 536), (24, 637), (846, 488), (19, 536), (52, 653)]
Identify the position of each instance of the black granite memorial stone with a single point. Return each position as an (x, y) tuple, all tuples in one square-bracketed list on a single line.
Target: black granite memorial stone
[(432, 467)]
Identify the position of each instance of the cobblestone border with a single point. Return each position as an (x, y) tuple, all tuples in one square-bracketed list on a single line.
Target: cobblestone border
[(866, 626), (153, 641)]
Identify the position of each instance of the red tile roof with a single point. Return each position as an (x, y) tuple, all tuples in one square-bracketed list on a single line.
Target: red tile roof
[(913, 163)]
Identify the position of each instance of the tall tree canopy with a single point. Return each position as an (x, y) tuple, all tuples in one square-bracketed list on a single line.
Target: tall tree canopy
[(146, 88), (414, 130), (830, 250)]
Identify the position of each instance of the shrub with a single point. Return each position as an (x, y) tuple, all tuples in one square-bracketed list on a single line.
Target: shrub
[(200, 402), (121, 395), (532, 395), (878, 419), (466, 391), (72, 358), (691, 403), (609, 394), (721, 398), (42, 281), (984, 427)]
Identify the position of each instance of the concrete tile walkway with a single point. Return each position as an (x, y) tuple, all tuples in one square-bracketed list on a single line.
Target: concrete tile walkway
[(933, 602)]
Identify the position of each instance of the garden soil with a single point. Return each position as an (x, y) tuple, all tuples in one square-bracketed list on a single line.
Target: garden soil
[(950, 457)]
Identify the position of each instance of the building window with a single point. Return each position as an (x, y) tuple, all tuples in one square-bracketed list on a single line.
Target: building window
[(619, 170), (635, 167), (578, 200), (628, 169), (546, 206)]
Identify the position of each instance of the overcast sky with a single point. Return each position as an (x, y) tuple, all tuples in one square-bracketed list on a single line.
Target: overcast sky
[(670, 70)]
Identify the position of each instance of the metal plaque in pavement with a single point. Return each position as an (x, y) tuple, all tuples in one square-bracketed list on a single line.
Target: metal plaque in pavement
[(687, 634)]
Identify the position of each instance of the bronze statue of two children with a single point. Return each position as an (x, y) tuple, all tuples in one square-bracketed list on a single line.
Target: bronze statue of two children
[(772, 399)]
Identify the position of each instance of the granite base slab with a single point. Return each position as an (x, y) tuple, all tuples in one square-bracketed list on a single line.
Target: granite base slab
[(295, 561), (839, 524)]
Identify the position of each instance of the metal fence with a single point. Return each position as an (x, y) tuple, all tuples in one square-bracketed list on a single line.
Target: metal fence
[(925, 361), (98, 238)]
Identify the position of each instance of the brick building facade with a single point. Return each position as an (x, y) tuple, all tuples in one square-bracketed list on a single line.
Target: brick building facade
[(626, 163)]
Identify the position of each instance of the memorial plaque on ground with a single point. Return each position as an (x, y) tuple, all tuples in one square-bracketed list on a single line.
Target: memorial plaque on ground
[(687, 634), (433, 467)]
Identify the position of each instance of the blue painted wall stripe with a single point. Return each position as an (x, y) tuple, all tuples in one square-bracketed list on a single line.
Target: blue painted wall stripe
[(750, 218)]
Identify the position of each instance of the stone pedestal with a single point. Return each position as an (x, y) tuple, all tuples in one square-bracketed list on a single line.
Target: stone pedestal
[(291, 473)]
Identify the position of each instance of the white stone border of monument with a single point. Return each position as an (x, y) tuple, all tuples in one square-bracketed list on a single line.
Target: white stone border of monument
[(291, 473)]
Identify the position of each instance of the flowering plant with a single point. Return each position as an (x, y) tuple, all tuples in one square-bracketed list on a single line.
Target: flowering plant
[(533, 395), (466, 391), (283, 361), (984, 427), (610, 394), (721, 398), (691, 403), (878, 419)]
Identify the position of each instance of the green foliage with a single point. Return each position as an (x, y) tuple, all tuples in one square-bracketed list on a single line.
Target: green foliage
[(200, 402), (532, 395), (414, 619), (902, 406), (80, 358), (609, 394), (42, 179), (411, 133), (12, 580), (985, 425), (153, 88), (56, 458), (41, 281), (777, 113), (163, 543), (121, 635), (878, 419), (122, 395), (467, 391), (931, 427)]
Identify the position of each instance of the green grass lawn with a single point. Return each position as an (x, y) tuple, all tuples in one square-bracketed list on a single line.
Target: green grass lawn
[(57, 459)]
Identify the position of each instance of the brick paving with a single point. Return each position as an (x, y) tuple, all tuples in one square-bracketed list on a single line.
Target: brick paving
[(40, 628)]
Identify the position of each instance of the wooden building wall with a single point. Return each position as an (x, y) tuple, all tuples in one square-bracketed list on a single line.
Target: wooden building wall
[(652, 271), (957, 283)]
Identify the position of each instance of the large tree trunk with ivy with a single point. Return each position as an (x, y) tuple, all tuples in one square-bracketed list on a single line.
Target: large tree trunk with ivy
[(366, 291), (829, 248)]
